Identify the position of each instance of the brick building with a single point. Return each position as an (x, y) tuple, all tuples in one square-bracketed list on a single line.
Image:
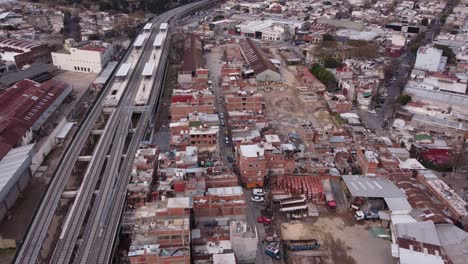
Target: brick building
[(367, 160), (307, 79), (244, 101), (193, 65), (160, 230), (184, 103), (23, 52), (193, 133), (225, 202), (279, 160), (252, 165)]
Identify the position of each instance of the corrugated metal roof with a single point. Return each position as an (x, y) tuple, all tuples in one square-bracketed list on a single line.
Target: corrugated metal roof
[(226, 191), (420, 231), (255, 57), (436, 96), (22, 44), (24, 106), (35, 70), (12, 167), (361, 186), (193, 54), (106, 73)]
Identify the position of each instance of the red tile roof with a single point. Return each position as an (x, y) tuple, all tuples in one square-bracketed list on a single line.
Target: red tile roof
[(21, 106)]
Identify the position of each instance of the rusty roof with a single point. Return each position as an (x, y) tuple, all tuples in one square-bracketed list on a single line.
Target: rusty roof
[(255, 57), (21, 106), (193, 54)]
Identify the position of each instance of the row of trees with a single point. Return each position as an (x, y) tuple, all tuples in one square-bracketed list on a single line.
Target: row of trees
[(325, 76)]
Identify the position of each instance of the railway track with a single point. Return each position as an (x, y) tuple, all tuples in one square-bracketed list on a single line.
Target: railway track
[(98, 236)]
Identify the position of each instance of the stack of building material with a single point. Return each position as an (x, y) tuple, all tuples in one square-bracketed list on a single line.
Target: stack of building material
[(310, 186)]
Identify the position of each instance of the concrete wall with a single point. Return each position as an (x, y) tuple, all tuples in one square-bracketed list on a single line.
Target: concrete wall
[(45, 145), (82, 60)]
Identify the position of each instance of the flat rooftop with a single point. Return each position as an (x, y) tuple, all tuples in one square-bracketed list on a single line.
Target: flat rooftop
[(361, 186)]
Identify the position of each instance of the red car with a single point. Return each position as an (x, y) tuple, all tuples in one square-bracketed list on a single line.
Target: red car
[(264, 219)]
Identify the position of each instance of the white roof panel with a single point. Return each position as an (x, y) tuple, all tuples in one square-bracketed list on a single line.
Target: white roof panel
[(10, 164), (139, 40), (148, 26), (106, 73), (158, 40), (148, 70), (226, 191), (64, 130), (251, 151), (123, 70)]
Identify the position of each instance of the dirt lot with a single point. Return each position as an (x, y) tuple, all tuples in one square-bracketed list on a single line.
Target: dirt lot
[(346, 241), (291, 106)]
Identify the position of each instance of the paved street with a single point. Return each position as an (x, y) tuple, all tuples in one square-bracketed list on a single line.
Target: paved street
[(383, 117), (253, 212), (253, 209), (213, 65)]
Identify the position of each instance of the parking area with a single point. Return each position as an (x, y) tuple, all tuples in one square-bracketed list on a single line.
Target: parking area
[(342, 238)]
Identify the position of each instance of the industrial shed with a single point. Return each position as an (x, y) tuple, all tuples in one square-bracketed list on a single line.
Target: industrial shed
[(14, 176), (264, 69)]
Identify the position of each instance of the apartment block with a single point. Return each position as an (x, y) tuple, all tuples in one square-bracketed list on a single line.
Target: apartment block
[(252, 165), (220, 203), (244, 101), (161, 232), (183, 103)]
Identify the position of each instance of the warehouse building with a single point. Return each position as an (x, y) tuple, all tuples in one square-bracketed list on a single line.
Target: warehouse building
[(263, 68), (90, 57), (24, 52), (14, 176), (193, 60), (25, 108)]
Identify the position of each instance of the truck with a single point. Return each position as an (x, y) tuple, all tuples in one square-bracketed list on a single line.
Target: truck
[(273, 250), (366, 215), (357, 203), (297, 245), (331, 204)]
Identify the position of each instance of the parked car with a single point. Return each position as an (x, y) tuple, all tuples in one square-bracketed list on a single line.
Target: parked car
[(257, 199), (264, 220), (273, 250), (258, 192)]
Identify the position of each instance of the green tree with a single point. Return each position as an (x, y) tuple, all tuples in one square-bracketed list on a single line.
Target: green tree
[(329, 62), (447, 52), (325, 76), (414, 48), (404, 99), (328, 37)]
